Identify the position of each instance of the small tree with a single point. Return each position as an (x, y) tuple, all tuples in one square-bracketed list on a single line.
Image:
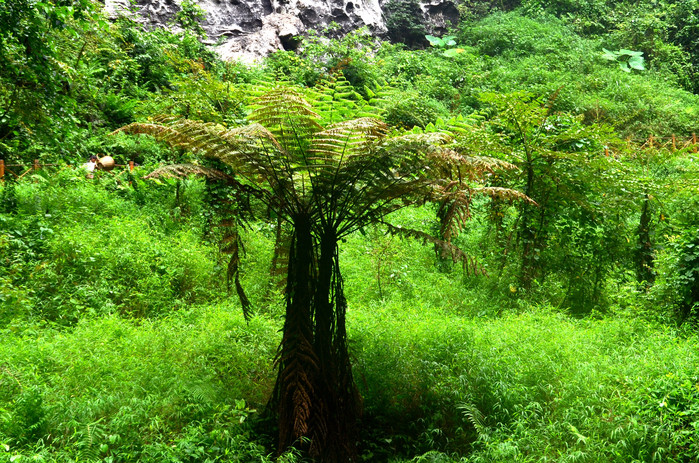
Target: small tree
[(326, 182), (562, 166)]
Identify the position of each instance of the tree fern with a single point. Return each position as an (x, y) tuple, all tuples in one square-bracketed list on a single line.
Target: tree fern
[(327, 182)]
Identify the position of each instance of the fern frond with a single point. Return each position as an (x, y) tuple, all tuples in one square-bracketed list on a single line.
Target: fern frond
[(475, 417), (90, 441), (284, 106), (188, 170), (348, 138), (336, 100), (470, 264), (507, 194), (251, 150), (454, 209), (488, 164)]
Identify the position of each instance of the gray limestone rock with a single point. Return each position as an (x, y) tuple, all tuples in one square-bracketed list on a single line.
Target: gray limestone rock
[(247, 30)]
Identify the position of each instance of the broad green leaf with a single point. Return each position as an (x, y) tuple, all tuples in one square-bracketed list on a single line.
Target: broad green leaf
[(452, 52), (434, 41), (610, 55), (636, 62)]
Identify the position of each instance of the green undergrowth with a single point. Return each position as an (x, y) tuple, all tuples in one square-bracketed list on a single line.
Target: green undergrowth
[(545, 56), (110, 389), (452, 367), (534, 386), (75, 247)]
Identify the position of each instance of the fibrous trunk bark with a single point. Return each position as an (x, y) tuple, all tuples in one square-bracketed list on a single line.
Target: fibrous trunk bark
[(317, 401)]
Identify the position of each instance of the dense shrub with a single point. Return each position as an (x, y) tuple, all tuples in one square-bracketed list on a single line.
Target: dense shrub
[(404, 22), (413, 111), (78, 247), (543, 56), (511, 35)]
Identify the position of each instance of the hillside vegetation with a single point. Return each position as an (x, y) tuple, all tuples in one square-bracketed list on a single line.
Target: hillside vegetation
[(534, 300)]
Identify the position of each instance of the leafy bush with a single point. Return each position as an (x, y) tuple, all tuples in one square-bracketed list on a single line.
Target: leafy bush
[(511, 35), (413, 110), (680, 267), (82, 247), (545, 57)]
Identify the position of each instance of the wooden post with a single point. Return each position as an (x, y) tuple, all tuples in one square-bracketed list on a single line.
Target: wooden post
[(674, 142), (650, 141), (36, 165), (131, 164), (606, 151), (694, 141), (2, 169)]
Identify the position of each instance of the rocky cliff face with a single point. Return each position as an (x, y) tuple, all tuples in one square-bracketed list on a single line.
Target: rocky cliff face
[(248, 29)]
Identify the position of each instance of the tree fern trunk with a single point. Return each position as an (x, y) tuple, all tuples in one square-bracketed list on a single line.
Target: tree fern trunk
[(529, 240), (339, 402), (317, 400), (298, 366), (527, 233)]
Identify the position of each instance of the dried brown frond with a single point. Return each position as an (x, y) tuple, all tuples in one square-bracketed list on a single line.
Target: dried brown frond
[(422, 140), (489, 164)]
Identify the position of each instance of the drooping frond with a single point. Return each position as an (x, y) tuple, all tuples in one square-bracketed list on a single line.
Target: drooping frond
[(279, 266), (455, 198), (393, 172), (232, 246), (455, 165), (507, 194), (193, 136), (454, 208), (470, 264), (188, 170), (251, 151)]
